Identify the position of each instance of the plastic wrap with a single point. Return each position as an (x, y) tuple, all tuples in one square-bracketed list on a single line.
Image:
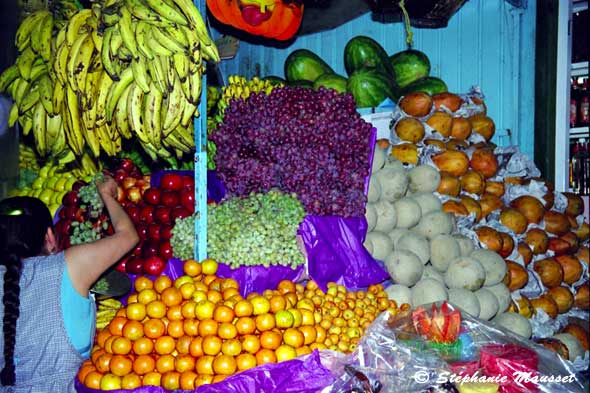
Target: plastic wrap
[(393, 358), (301, 375)]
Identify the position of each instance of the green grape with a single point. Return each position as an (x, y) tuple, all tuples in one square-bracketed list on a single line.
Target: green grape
[(257, 230)]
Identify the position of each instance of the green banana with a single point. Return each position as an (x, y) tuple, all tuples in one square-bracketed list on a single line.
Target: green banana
[(25, 61), (141, 36), (23, 33), (8, 77), (127, 34), (140, 73), (74, 25), (46, 93), (116, 90), (167, 11)]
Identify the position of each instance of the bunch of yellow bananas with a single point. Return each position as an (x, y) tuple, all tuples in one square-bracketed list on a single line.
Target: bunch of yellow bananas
[(27, 159), (240, 87), (121, 69), (107, 309)]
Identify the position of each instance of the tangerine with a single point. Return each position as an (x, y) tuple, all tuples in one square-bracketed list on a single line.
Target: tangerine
[(152, 378), (211, 345), (165, 363), (120, 365), (184, 362), (133, 330), (192, 268), (270, 339), (205, 365), (156, 309), (245, 361), (187, 380), (144, 364), (265, 356), (164, 345), (130, 381), (251, 343), (227, 330), (143, 346), (223, 314), (154, 328), (245, 325), (224, 365), (161, 283), (231, 347)]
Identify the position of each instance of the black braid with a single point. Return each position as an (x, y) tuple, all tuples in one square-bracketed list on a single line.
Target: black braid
[(23, 225), (11, 300)]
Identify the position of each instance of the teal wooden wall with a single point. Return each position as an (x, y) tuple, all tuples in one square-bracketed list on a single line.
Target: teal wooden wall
[(488, 43)]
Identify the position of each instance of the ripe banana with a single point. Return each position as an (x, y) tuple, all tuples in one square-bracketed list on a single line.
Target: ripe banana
[(167, 11), (115, 92), (75, 24), (127, 34), (23, 33)]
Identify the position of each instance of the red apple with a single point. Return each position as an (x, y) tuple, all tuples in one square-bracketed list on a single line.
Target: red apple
[(152, 196), (77, 185), (129, 182), (162, 214), (166, 231), (133, 213), (165, 250), (141, 230), (187, 199), (119, 176), (179, 212), (170, 198), (71, 198), (188, 182), (146, 214), (127, 165), (154, 265), (134, 265), (171, 181), (153, 231), (150, 248), (121, 265), (134, 194), (137, 250)]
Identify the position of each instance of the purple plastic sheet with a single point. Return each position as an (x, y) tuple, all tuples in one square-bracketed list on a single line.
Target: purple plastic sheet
[(259, 278), (302, 375), (335, 252)]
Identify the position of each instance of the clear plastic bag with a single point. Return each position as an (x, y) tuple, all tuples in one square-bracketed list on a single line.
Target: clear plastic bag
[(392, 357)]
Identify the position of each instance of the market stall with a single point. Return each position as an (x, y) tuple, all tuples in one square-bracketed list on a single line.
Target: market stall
[(356, 209)]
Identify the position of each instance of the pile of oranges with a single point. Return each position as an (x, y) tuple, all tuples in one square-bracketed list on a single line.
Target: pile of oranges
[(198, 329)]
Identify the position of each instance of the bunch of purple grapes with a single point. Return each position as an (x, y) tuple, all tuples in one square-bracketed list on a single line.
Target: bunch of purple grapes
[(303, 141)]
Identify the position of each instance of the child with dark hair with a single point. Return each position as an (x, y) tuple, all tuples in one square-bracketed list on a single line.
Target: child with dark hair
[(46, 312)]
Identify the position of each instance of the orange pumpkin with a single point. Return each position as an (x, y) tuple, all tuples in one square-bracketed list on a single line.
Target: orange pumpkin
[(267, 18)]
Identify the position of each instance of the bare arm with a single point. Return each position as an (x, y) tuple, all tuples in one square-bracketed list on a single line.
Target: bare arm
[(86, 262)]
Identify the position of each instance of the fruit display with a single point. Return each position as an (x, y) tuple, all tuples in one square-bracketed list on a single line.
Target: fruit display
[(106, 311), (238, 87), (312, 143), (53, 181), (373, 76), (197, 329), (113, 72), (256, 230), (529, 238)]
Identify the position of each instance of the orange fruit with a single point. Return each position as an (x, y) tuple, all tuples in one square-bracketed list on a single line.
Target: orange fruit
[(277, 303), (161, 283), (284, 319), (156, 309), (85, 369), (133, 330), (116, 326), (175, 328), (245, 361), (121, 313), (102, 336), (226, 330), (187, 380), (260, 305), (120, 365), (205, 365), (174, 313), (204, 310), (92, 380), (214, 296), (187, 309), (130, 381), (230, 293), (144, 364), (224, 365), (209, 266), (183, 344), (143, 346), (208, 327), (251, 343), (245, 325), (133, 298), (270, 339), (223, 314), (154, 328), (164, 345), (196, 347), (171, 380), (190, 327), (142, 282), (121, 346), (187, 290), (191, 268), (286, 286), (304, 350), (203, 380), (265, 322), (293, 337), (211, 345), (232, 347), (147, 295), (103, 363), (165, 363), (265, 356), (184, 362), (171, 296), (152, 379), (285, 352), (309, 334), (243, 308), (96, 354)]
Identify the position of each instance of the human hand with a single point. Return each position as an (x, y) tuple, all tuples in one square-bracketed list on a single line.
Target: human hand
[(106, 186)]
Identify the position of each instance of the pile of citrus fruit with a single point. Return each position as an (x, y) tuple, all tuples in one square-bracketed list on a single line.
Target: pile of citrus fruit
[(198, 329)]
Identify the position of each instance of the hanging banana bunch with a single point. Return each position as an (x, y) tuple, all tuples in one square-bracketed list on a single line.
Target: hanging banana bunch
[(120, 70)]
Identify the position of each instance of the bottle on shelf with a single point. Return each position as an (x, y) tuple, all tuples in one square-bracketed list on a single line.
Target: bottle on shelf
[(573, 167), (586, 168), (584, 105), (574, 102), (580, 168)]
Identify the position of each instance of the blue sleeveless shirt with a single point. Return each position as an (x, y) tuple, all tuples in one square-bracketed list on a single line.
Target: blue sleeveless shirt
[(47, 359)]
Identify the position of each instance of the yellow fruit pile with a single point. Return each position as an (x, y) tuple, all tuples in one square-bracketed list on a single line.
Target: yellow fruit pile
[(198, 329), (27, 159)]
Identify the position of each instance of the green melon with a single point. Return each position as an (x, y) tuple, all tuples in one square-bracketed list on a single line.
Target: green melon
[(364, 53), (275, 80), (331, 81), (370, 87), (429, 84), (304, 65), (409, 65)]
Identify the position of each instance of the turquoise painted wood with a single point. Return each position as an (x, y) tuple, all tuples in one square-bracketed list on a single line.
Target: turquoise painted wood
[(487, 43), (200, 250)]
